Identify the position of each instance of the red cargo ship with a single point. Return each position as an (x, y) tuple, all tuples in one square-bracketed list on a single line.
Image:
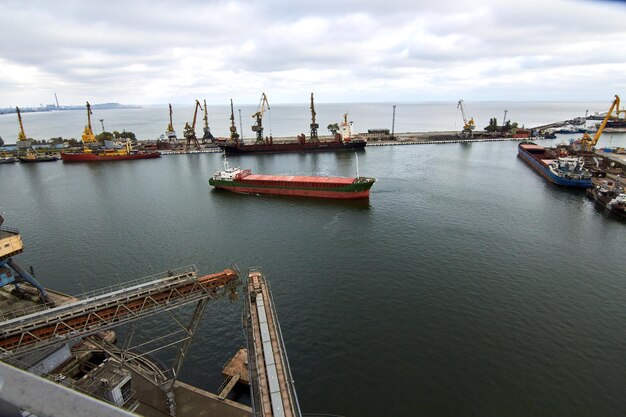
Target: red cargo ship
[(243, 181)]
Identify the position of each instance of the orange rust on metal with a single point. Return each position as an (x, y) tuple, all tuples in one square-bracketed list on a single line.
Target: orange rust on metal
[(78, 322)]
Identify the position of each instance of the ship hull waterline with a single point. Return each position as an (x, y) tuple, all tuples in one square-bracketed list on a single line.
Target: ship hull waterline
[(231, 149), (84, 157)]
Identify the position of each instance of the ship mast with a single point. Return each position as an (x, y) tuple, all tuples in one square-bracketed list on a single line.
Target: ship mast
[(233, 128), (88, 136), (21, 135), (314, 125)]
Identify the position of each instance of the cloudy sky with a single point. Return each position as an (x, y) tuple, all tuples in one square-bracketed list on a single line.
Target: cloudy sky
[(155, 52)]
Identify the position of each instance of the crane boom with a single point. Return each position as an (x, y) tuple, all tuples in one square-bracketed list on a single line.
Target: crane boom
[(233, 128), (468, 123), (88, 136), (190, 131), (21, 135), (258, 127), (170, 127), (314, 124), (586, 142)]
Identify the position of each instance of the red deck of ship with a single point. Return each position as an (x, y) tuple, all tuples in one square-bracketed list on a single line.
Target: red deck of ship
[(299, 179)]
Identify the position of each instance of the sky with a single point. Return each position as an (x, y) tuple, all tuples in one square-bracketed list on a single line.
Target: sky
[(158, 52)]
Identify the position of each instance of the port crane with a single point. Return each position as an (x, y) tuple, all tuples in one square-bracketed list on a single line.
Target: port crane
[(234, 136), (314, 124), (468, 123), (21, 135), (190, 131), (170, 133), (587, 143), (207, 132), (258, 127), (88, 136)]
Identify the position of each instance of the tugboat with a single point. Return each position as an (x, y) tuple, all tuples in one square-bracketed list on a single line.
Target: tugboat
[(92, 152), (609, 194)]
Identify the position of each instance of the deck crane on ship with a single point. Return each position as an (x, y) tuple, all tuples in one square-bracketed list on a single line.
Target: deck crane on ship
[(190, 131), (586, 142), (258, 126), (468, 123), (207, 137), (170, 133), (314, 124)]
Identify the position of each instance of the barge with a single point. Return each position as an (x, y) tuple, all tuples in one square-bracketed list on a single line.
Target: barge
[(562, 170), (243, 181)]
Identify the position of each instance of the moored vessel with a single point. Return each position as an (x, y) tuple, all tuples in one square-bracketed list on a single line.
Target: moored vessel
[(609, 194), (93, 152), (243, 181), (563, 170), (344, 140)]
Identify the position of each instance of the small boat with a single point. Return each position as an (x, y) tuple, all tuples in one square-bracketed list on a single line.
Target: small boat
[(243, 181), (30, 155), (559, 169), (609, 194), (6, 158)]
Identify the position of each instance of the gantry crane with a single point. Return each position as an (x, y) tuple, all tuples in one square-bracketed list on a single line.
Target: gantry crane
[(190, 131), (468, 124), (314, 124), (170, 133), (207, 132), (234, 136), (586, 143), (258, 127)]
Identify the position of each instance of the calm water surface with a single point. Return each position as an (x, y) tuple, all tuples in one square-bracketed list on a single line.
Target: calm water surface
[(467, 285)]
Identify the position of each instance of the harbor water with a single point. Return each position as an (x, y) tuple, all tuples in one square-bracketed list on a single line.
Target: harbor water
[(466, 285)]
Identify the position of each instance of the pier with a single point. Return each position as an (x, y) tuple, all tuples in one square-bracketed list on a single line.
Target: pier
[(272, 388)]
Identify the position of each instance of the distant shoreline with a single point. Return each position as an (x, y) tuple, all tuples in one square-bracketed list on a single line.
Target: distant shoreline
[(51, 108)]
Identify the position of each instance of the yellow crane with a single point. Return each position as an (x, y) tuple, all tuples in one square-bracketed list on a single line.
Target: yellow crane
[(469, 125), (190, 131), (258, 127), (88, 136), (314, 125), (586, 143), (21, 135)]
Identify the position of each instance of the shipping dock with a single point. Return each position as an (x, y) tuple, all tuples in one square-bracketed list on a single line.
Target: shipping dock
[(64, 346)]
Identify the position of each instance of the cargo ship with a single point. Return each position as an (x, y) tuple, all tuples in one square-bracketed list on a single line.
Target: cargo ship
[(243, 181), (610, 195), (562, 170), (344, 140), (93, 152)]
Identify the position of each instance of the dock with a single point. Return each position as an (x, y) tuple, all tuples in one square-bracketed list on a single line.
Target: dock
[(272, 387)]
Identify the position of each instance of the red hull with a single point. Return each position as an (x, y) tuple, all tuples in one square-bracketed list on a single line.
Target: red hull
[(90, 157), (299, 193)]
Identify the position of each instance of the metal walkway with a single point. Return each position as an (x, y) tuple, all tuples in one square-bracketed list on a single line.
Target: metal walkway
[(273, 391), (104, 309)]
